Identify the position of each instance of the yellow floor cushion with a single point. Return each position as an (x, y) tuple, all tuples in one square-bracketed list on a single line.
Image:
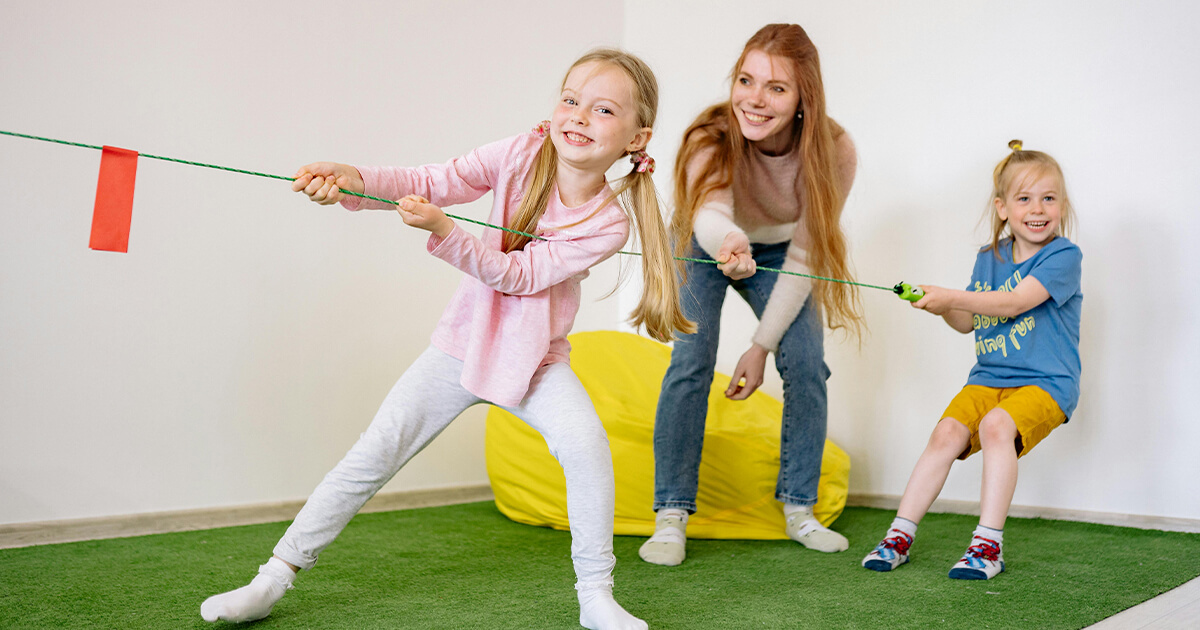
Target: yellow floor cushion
[(623, 373)]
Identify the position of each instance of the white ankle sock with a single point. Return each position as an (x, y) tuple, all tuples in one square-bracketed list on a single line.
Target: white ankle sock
[(668, 545), (789, 510), (805, 529), (904, 525), (599, 611), (666, 513), (253, 601), (989, 533)]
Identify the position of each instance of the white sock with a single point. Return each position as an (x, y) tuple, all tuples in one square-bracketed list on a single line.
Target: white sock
[(668, 545), (599, 611), (989, 533), (904, 525), (789, 510), (805, 529), (666, 513), (256, 599)]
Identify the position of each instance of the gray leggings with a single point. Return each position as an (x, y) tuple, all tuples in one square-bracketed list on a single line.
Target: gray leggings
[(423, 402)]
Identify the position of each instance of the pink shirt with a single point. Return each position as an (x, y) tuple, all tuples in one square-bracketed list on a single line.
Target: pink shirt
[(512, 312)]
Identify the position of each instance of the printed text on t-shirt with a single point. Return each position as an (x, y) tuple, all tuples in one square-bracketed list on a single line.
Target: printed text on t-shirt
[(1000, 343)]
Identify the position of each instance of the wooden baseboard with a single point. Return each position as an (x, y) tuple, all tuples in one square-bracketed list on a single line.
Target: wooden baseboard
[(1168, 523), (49, 532)]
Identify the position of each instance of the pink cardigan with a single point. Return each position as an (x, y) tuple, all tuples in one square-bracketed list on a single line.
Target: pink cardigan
[(512, 312)]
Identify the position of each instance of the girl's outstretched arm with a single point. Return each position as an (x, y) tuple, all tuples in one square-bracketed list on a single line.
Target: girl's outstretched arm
[(957, 307), (460, 180)]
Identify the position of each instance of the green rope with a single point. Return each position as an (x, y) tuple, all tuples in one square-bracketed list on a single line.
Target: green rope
[(773, 270), (396, 203), (245, 172)]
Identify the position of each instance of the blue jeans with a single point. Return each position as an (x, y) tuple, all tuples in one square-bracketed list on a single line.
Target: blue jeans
[(683, 402)]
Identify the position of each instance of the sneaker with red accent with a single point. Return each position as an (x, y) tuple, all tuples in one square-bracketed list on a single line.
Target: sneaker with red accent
[(889, 553), (983, 561)]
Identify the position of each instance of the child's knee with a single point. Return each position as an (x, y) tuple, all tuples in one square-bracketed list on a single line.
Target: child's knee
[(581, 442), (997, 427), (950, 436)]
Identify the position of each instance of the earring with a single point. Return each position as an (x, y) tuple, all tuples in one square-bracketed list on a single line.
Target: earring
[(800, 115)]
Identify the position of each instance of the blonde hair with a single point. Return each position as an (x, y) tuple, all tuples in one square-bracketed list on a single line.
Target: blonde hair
[(1031, 165), (815, 136), (658, 309)]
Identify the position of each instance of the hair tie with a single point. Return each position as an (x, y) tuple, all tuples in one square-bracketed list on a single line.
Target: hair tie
[(542, 129), (1015, 145), (645, 163)]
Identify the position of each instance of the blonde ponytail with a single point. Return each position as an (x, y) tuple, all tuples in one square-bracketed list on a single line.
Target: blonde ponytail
[(537, 197), (658, 309), (1027, 164)]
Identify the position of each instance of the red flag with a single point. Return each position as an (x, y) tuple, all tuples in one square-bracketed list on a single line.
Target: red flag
[(114, 200)]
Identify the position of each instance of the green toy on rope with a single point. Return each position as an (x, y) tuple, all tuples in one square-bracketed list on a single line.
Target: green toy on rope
[(908, 292), (904, 290)]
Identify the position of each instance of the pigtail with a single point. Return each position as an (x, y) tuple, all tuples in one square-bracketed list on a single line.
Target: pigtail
[(536, 199), (658, 308)]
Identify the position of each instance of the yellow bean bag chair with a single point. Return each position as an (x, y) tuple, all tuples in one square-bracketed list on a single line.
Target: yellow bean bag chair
[(623, 373)]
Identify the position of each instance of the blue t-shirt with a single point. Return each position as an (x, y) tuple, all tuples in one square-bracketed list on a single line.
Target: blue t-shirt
[(1040, 346)]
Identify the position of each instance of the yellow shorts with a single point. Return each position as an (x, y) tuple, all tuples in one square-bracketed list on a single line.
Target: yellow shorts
[(1032, 409)]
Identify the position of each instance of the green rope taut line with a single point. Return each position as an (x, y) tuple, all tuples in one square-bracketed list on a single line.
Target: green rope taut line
[(773, 270), (246, 172), (396, 203)]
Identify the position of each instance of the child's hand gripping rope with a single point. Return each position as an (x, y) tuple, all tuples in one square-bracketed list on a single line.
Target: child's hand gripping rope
[(324, 182), (416, 211)]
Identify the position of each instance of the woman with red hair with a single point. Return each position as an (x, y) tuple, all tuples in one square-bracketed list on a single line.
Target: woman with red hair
[(760, 180)]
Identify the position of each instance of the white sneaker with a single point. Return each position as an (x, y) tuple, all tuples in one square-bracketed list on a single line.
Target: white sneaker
[(890, 553), (983, 561), (668, 544)]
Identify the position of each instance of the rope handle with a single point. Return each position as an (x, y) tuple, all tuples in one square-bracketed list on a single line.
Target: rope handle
[(908, 292)]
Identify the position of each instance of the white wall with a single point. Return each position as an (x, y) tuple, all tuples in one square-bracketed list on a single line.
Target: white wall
[(932, 91), (246, 339), (240, 347)]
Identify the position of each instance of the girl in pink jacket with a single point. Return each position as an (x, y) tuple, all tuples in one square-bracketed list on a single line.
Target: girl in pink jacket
[(502, 339)]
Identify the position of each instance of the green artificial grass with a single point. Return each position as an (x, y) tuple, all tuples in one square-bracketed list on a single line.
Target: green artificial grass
[(467, 566)]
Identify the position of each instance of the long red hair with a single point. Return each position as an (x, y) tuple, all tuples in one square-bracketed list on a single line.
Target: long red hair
[(717, 130)]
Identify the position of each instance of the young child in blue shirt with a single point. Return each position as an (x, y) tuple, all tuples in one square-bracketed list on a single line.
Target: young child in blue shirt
[(1023, 304)]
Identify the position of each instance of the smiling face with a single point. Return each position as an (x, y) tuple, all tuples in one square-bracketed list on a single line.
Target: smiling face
[(596, 120), (765, 99), (1032, 208)]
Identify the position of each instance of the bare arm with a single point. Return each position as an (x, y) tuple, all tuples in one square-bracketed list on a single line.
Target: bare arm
[(962, 321), (958, 307)]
